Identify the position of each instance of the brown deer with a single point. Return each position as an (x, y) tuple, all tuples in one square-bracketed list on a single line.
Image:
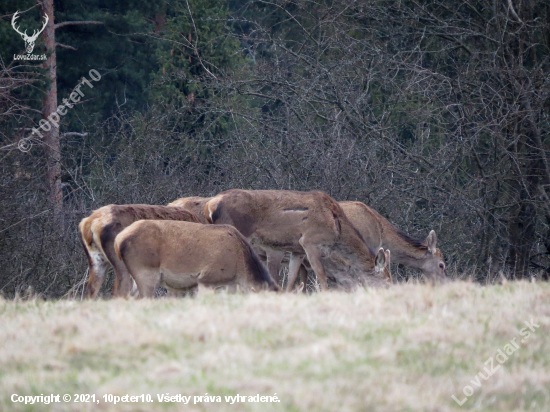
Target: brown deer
[(98, 232), (307, 224), (195, 204), (379, 232), (182, 255)]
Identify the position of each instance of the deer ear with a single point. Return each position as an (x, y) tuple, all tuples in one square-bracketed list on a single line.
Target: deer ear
[(431, 241), (387, 256), (380, 261)]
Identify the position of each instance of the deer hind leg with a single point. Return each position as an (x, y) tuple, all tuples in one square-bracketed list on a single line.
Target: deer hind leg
[(134, 292), (147, 281), (314, 256), (98, 267), (293, 268), (303, 277), (123, 279), (274, 259)]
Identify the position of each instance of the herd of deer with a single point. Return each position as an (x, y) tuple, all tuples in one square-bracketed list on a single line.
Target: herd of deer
[(198, 242)]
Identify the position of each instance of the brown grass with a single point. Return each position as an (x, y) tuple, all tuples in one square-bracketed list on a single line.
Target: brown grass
[(408, 348)]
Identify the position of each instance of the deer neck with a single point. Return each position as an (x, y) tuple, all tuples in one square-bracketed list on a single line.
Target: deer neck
[(354, 249), (404, 253)]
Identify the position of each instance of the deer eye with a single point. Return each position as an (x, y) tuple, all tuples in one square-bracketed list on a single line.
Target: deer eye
[(442, 266)]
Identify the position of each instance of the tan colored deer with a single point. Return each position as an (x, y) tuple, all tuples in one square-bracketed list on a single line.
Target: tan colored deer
[(307, 224), (195, 204), (182, 255), (98, 232), (379, 232)]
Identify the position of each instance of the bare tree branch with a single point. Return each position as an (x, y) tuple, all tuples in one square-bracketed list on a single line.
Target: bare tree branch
[(75, 23)]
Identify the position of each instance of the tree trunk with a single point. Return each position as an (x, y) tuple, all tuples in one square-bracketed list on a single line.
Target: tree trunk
[(521, 228), (52, 149)]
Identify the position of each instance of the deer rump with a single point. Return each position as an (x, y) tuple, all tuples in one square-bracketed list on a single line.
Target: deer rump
[(98, 232)]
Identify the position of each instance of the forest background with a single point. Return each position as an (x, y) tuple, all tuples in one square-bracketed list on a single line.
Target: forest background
[(435, 113)]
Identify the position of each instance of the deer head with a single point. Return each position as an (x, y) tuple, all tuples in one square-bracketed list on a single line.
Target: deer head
[(29, 40)]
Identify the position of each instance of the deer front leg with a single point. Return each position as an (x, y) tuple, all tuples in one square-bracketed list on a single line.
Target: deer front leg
[(293, 268)]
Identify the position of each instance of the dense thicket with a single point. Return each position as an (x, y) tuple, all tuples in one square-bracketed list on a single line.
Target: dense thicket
[(433, 112)]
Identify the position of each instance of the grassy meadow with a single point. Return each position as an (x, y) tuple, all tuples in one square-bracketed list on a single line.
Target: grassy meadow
[(408, 348)]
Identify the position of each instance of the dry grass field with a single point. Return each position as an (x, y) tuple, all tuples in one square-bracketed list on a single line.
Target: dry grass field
[(408, 348)]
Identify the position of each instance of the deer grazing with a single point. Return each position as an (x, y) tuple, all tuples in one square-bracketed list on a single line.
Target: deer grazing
[(98, 232), (379, 232), (182, 255), (375, 230), (307, 224), (29, 40)]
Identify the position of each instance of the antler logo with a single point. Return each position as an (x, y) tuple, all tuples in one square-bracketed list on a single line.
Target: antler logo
[(29, 40)]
